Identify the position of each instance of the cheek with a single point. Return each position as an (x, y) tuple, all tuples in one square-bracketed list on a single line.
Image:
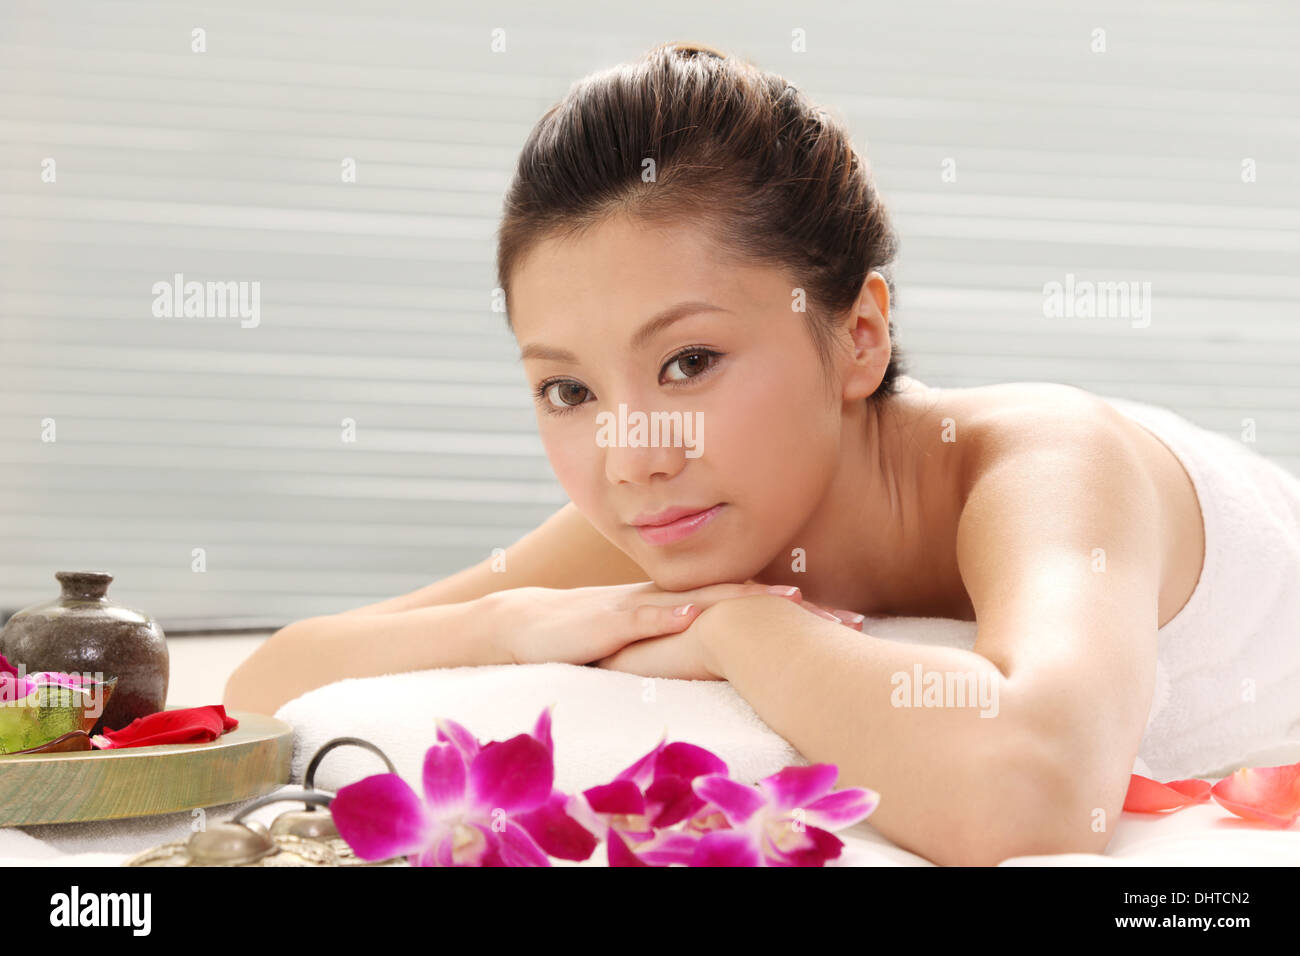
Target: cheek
[(573, 454), (776, 435)]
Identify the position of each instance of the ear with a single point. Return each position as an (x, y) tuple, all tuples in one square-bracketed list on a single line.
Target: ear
[(867, 327)]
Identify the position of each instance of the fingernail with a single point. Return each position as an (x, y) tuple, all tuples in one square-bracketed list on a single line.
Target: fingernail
[(783, 591), (683, 610)]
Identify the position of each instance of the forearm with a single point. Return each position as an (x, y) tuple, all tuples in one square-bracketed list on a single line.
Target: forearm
[(321, 650), (955, 786)]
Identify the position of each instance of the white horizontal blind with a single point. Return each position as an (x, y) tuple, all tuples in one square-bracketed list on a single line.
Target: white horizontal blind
[(375, 296)]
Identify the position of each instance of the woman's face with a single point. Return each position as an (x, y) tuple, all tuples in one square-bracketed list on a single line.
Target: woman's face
[(760, 428)]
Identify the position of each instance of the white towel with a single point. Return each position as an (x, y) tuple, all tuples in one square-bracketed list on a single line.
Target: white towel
[(602, 721), (1228, 672)]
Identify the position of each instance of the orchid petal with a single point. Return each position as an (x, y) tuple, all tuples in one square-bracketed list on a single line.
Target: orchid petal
[(818, 847), (668, 847), (642, 772), (6, 667), (680, 759), (841, 808), (14, 689), (799, 786), (556, 832), (670, 800), (1150, 796), (381, 816), (727, 848), (1267, 794), (737, 801), (444, 779), (618, 853), (512, 775), (451, 732), (580, 810), (517, 848), (542, 730), (618, 797)]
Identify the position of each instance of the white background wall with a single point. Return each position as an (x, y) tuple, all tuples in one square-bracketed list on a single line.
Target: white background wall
[(175, 434)]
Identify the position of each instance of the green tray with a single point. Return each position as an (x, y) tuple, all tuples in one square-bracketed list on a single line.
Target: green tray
[(243, 763)]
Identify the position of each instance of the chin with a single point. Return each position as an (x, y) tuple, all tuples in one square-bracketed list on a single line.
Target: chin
[(694, 571)]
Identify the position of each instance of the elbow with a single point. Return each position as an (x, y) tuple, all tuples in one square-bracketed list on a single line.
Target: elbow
[(257, 684), (1029, 802)]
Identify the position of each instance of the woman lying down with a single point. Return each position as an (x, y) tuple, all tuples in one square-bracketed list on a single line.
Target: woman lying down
[(696, 265)]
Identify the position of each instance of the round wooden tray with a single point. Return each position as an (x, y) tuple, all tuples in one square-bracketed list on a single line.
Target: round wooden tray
[(243, 763)]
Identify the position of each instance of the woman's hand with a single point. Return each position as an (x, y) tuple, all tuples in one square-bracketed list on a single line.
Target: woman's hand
[(688, 655), (583, 625)]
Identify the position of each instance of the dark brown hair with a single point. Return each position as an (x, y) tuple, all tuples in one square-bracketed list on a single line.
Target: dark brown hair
[(737, 150)]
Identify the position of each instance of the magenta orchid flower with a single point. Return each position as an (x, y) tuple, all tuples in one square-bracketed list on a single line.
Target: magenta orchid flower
[(783, 821), (476, 801), (634, 812), (495, 804)]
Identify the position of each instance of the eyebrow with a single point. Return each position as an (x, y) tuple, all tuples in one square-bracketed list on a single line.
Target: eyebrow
[(648, 331)]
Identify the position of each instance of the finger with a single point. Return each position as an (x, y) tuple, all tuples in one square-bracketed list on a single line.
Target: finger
[(852, 618), (713, 593), (838, 615), (649, 620)]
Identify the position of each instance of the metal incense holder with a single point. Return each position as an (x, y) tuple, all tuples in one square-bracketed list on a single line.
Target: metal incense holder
[(304, 837)]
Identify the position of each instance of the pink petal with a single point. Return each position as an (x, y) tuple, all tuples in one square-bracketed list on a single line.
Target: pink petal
[(444, 851), (618, 853), (670, 800), (1267, 794), (451, 732), (513, 775), (556, 832), (444, 779), (668, 847), (1150, 796), (687, 760), (727, 848), (581, 811), (820, 847), (542, 730), (619, 797), (15, 688), (517, 848), (841, 808), (642, 772), (381, 816), (6, 667), (737, 801), (799, 786)]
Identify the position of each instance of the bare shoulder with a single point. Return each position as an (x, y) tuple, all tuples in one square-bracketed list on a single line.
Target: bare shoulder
[(1057, 490), (1019, 417)]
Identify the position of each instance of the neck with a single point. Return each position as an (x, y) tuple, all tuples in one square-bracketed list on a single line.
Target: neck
[(872, 543)]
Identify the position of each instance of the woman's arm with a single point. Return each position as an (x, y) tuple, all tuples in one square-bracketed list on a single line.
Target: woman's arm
[(1065, 655), (565, 551), (320, 650)]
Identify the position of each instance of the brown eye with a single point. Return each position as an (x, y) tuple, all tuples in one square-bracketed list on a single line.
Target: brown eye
[(691, 364), (565, 391)]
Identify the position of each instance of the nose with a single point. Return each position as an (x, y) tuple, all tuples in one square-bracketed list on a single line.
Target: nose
[(637, 455)]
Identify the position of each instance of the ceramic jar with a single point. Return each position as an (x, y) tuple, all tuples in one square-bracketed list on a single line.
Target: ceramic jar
[(82, 631)]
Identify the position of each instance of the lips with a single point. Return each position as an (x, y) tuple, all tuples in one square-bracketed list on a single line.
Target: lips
[(668, 516), (675, 524)]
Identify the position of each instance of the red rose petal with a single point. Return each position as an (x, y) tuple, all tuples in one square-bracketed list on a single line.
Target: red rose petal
[(1150, 796), (1266, 794), (189, 725)]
